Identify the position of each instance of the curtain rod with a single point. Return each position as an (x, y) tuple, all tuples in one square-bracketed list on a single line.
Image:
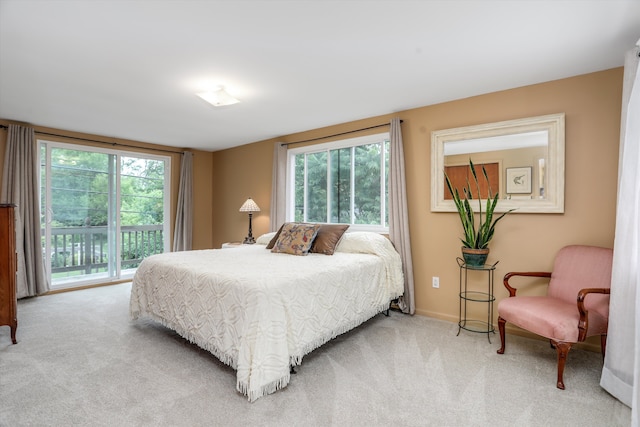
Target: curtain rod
[(100, 142), (285, 144)]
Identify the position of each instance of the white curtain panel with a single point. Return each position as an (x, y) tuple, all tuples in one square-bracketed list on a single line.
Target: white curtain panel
[(21, 187), (621, 372), (278, 186), (399, 217), (183, 230)]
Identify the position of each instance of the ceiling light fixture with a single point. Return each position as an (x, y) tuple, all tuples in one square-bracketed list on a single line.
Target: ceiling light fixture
[(218, 98)]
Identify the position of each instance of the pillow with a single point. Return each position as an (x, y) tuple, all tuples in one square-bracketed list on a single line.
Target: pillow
[(274, 239), (296, 238), (265, 238), (364, 242), (328, 237)]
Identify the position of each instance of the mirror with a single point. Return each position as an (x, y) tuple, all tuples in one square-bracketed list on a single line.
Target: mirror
[(525, 157)]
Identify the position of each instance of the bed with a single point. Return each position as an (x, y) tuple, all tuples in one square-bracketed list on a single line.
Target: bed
[(260, 312)]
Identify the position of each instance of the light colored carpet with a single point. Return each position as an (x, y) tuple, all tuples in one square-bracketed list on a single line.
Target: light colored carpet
[(80, 361)]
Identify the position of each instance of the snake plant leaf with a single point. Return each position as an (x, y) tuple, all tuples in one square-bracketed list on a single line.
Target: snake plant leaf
[(480, 236)]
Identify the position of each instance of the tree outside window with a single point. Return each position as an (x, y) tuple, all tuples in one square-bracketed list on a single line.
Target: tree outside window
[(346, 184)]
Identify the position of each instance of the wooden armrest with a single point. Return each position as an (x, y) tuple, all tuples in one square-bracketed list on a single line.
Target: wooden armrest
[(511, 289), (583, 323)]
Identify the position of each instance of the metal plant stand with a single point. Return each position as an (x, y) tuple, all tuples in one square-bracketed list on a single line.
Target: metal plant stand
[(472, 296)]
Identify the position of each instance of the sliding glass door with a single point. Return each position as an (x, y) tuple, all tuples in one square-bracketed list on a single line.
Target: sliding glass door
[(102, 212), (143, 209)]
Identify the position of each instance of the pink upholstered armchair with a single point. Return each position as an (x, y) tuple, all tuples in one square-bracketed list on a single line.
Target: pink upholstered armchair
[(576, 305)]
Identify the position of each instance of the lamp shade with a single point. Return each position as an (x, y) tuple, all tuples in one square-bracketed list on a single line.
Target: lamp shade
[(249, 206)]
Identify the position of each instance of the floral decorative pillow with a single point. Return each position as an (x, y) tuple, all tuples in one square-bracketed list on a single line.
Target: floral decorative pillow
[(296, 238)]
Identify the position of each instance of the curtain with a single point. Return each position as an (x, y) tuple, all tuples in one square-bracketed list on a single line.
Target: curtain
[(398, 216), (278, 186), (20, 186), (183, 230), (621, 372)]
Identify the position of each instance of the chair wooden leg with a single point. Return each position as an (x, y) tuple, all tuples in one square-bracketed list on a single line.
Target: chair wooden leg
[(501, 323), (562, 349), (603, 344)]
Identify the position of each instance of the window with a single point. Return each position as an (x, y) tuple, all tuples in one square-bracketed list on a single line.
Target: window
[(340, 182), (102, 211)]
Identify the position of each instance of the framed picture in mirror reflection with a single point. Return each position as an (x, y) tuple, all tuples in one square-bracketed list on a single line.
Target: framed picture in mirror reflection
[(518, 180)]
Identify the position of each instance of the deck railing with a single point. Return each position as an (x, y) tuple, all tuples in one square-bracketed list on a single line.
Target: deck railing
[(84, 250)]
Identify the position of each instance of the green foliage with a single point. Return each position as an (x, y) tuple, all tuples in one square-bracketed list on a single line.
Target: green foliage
[(366, 161), (82, 188), (341, 186), (133, 254), (367, 182), (476, 238), (317, 187), (79, 181)]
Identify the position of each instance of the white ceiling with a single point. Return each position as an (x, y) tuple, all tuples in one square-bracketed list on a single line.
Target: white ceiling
[(129, 69)]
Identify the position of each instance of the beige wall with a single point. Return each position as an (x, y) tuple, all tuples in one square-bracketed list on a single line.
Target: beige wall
[(524, 242), (239, 173)]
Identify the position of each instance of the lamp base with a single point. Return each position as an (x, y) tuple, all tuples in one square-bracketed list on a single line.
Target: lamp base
[(249, 240)]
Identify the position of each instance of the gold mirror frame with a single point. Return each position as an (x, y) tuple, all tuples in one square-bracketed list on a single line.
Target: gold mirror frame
[(552, 200)]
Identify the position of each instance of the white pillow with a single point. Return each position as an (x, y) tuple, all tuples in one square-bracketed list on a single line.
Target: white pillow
[(376, 244), (364, 242), (265, 238)]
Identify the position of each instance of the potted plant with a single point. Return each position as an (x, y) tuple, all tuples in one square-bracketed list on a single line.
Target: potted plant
[(476, 239)]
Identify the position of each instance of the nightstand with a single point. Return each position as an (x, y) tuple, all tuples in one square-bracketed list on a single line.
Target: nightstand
[(230, 245)]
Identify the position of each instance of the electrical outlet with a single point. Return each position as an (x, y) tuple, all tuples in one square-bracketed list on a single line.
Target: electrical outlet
[(435, 282)]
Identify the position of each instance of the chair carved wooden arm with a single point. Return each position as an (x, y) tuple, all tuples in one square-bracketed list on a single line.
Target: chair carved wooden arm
[(511, 289), (564, 315)]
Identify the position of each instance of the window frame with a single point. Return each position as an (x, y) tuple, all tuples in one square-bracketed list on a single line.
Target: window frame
[(378, 138), (119, 272)]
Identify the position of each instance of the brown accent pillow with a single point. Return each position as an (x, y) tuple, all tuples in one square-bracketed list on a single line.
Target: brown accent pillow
[(296, 238), (328, 237), (275, 238)]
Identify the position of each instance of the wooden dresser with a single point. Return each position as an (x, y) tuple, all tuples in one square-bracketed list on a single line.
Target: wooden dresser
[(8, 265)]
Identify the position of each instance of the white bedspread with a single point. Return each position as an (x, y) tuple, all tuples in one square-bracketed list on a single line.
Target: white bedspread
[(261, 312)]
